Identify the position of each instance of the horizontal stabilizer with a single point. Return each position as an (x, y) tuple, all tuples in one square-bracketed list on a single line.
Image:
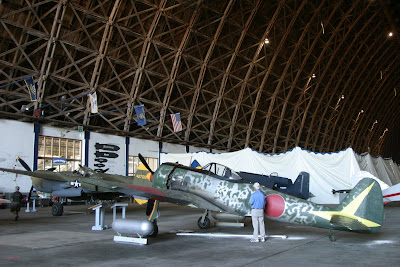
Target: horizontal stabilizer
[(362, 209), (349, 223)]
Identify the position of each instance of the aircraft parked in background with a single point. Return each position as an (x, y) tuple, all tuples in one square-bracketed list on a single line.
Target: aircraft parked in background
[(392, 193), (68, 184)]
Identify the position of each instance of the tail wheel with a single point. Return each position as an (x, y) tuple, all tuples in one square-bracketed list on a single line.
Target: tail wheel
[(57, 209), (204, 225), (332, 238)]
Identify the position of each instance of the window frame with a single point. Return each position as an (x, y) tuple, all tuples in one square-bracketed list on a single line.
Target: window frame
[(134, 162), (45, 159)]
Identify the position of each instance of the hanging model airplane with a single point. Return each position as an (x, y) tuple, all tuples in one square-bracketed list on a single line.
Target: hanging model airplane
[(361, 211)]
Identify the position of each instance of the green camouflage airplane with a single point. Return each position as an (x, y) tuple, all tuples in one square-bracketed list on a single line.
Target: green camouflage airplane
[(217, 188)]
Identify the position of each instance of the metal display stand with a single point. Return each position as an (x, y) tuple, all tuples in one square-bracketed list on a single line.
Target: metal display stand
[(99, 217), (130, 240), (114, 208), (33, 197), (229, 224)]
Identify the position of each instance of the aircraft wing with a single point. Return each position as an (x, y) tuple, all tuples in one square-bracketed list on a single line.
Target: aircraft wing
[(39, 174), (164, 195), (5, 201), (392, 193)]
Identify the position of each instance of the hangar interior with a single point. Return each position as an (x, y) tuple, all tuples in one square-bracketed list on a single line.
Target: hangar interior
[(269, 75), (96, 82)]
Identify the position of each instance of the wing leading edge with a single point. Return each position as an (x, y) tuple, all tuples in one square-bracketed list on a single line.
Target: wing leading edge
[(164, 195)]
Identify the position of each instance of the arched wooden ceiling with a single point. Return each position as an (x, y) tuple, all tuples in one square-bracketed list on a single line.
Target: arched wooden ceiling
[(208, 60)]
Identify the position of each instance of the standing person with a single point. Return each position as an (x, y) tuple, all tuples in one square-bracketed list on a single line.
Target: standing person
[(257, 202), (16, 199)]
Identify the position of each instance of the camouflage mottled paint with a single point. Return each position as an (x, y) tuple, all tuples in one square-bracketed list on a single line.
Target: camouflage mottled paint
[(304, 212), (234, 198), (161, 176), (297, 210), (360, 211)]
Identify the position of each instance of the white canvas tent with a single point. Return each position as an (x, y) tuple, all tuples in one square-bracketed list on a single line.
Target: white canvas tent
[(385, 169), (338, 170)]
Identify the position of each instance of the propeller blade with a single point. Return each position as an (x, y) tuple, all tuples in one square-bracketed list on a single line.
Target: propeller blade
[(145, 163), (23, 163), (30, 193)]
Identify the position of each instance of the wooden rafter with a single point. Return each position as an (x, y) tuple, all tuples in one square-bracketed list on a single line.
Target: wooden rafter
[(207, 60)]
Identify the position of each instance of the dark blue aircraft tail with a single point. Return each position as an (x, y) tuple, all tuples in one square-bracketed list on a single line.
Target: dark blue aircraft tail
[(301, 186)]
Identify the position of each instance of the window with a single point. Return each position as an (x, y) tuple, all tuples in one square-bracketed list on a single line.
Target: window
[(134, 162), (59, 148)]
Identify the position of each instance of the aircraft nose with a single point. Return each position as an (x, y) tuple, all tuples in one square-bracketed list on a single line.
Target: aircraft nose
[(275, 206)]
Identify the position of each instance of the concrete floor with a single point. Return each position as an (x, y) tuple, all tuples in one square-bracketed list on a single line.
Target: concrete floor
[(40, 239)]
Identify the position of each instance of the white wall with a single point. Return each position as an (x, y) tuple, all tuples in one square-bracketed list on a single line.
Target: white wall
[(173, 148), (193, 149), (148, 148), (16, 140), (61, 133)]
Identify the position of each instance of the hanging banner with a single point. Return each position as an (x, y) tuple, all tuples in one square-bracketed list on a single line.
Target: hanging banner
[(141, 117), (93, 102), (176, 122), (31, 88)]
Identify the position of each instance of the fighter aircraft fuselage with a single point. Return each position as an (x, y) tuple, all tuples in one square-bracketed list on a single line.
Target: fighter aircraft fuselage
[(233, 196)]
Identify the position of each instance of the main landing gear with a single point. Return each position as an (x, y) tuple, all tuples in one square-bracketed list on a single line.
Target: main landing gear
[(204, 221), (57, 209), (155, 229), (153, 213)]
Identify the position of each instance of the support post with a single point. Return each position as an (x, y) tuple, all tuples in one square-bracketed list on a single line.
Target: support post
[(114, 208), (36, 130), (99, 217), (34, 205), (127, 142), (27, 207), (87, 137)]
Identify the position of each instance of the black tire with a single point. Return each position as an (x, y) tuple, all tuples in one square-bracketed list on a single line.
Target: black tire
[(150, 206), (205, 225), (57, 209), (155, 230)]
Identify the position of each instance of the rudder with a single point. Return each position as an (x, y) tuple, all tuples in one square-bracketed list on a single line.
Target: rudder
[(365, 201)]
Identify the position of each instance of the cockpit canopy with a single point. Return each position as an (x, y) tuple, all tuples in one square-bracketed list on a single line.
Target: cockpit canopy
[(224, 172), (83, 171)]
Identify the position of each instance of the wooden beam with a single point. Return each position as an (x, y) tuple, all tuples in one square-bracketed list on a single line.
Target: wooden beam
[(142, 63), (175, 68), (203, 70), (228, 71), (250, 70)]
